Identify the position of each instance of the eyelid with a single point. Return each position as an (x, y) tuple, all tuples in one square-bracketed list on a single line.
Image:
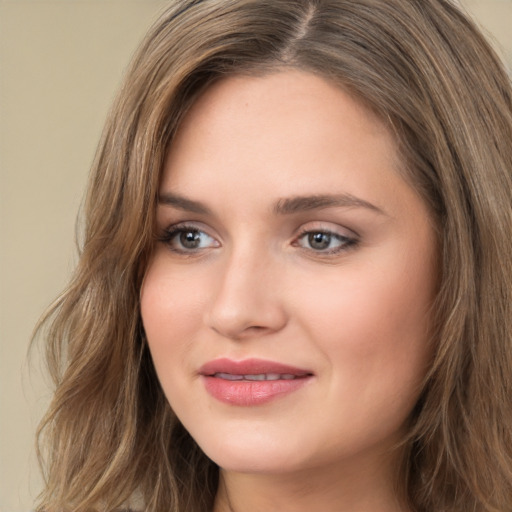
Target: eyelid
[(169, 233), (187, 224), (327, 227), (349, 239)]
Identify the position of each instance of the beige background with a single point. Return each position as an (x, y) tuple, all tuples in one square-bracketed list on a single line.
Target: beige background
[(60, 63)]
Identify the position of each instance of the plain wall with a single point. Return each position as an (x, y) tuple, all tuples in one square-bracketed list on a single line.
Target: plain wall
[(60, 64)]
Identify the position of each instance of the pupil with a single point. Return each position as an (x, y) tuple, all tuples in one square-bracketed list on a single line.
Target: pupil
[(190, 239), (319, 240)]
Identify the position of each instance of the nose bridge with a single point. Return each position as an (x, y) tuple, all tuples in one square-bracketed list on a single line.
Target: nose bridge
[(247, 299)]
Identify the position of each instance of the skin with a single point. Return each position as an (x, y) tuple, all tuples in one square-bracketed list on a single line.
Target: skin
[(355, 314)]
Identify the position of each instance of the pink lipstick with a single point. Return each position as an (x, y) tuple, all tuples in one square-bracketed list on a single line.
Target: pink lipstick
[(251, 381)]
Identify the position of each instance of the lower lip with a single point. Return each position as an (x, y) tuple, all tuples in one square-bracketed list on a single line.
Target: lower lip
[(247, 393)]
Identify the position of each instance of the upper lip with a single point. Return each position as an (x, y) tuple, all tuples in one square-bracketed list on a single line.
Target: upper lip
[(250, 367)]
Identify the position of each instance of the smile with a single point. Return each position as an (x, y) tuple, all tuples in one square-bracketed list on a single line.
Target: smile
[(251, 382)]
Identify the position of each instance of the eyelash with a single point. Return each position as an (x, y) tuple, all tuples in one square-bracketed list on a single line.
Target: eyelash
[(346, 242), (171, 233)]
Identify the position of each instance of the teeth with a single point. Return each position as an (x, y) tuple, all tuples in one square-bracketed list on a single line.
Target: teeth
[(229, 376), (260, 376), (256, 377)]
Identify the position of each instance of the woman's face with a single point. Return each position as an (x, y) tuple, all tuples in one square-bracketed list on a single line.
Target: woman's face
[(287, 302)]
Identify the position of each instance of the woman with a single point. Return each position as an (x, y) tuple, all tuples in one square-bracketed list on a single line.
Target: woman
[(294, 286)]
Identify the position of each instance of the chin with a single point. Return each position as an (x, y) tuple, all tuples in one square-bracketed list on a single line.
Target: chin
[(252, 454)]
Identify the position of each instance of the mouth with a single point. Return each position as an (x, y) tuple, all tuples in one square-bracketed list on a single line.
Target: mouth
[(257, 377), (252, 381), (252, 369)]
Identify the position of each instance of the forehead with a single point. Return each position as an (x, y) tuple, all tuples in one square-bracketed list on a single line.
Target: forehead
[(285, 94), (272, 124)]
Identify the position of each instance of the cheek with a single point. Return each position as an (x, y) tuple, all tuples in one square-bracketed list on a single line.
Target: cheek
[(372, 322), (171, 309)]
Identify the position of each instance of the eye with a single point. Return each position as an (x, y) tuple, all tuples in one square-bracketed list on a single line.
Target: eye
[(187, 239), (326, 242)]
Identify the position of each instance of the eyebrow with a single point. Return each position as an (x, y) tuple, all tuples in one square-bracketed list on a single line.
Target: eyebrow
[(286, 206), (318, 202), (182, 203)]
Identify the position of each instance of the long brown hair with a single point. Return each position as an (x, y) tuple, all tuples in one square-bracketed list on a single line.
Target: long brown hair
[(110, 436)]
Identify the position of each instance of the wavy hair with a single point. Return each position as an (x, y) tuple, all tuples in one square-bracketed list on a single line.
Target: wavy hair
[(425, 69)]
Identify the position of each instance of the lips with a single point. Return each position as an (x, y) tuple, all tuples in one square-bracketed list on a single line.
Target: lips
[(251, 381)]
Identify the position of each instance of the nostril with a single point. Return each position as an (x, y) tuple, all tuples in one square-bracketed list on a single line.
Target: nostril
[(238, 313), (256, 329)]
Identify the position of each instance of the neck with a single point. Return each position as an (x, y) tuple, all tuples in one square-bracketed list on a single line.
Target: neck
[(331, 489)]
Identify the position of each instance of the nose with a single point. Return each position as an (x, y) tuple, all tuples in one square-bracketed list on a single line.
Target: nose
[(247, 301)]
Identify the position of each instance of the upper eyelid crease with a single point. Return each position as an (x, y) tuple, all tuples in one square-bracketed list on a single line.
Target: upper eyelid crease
[(286, 206)]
